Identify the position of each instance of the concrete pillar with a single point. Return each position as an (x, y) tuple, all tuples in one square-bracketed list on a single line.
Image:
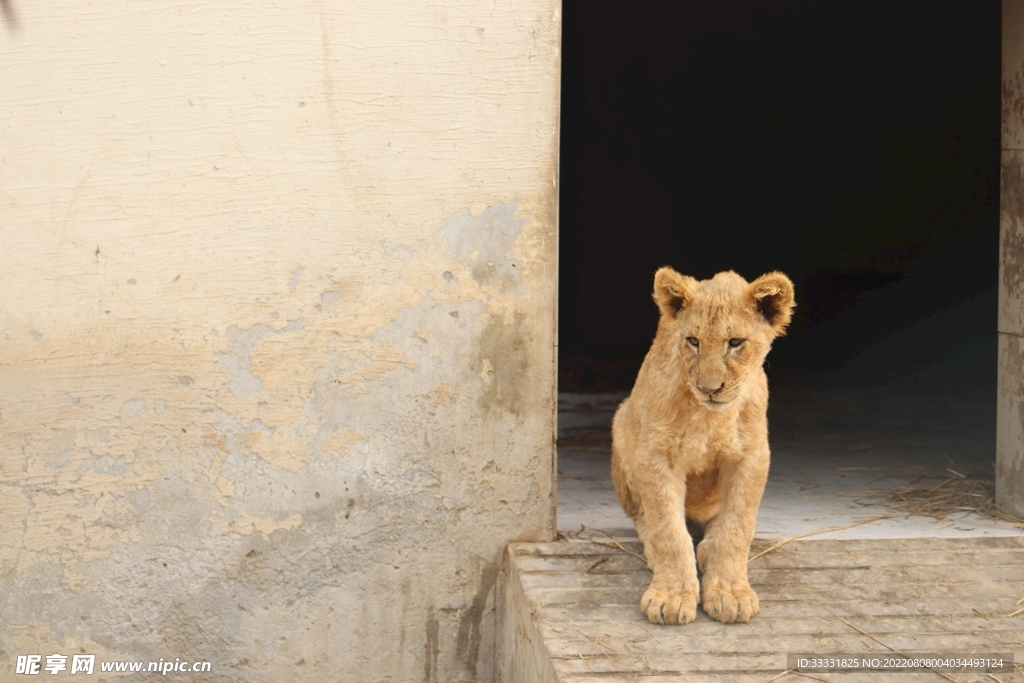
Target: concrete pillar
[(1010, 406)]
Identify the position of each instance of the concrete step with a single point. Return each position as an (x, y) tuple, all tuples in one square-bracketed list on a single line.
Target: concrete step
[(571, 612)]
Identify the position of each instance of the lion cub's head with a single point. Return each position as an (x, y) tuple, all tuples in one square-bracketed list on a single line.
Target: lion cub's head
[(720, 330)]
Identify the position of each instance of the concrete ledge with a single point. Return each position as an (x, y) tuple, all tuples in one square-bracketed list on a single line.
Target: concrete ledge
[(525, 659), (573, 611)]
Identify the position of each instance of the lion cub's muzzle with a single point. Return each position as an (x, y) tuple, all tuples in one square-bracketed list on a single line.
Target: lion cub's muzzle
[(714, 397), (710, 390)]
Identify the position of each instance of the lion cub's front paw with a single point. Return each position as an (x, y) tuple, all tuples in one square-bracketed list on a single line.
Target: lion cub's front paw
[(729, 606), (669, 606)]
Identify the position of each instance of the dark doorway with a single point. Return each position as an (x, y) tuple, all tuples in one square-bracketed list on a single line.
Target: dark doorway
[(854, 147)]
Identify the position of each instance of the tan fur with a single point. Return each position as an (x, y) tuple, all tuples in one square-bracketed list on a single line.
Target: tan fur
[(681, 452)]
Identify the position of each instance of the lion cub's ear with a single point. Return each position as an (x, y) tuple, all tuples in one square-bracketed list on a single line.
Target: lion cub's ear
[(672, 291), (772, 295)]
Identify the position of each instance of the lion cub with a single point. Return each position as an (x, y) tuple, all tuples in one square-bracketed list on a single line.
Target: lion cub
[(691, 441)]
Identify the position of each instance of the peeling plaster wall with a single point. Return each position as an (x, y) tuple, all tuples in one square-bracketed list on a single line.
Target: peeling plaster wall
[(1010, 401), (277, 330)]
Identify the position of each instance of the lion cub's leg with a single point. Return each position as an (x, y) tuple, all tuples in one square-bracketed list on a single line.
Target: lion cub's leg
[(653, 496), (726, 594), (673, 593)]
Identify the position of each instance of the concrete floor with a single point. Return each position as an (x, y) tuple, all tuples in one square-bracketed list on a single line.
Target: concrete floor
[(837, 448)]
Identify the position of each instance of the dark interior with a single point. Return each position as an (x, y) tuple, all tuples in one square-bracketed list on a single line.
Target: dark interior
[(854, 147)]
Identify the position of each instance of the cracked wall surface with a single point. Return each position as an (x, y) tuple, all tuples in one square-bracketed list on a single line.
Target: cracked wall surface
[(277, 318), (1010, 407)]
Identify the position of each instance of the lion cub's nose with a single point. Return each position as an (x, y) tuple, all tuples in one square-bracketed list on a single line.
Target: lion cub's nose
[(711, 391)]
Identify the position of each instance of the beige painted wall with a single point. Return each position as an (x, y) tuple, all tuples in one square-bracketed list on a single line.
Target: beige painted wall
[(276, 330), (1010, 402)]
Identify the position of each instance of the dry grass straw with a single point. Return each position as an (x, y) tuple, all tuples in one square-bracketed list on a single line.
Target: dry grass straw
[(942, 494), (612, 542), (784, 541)]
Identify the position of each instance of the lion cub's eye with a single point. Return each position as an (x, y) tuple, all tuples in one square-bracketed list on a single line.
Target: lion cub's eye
[(693, 341), (736, 342)]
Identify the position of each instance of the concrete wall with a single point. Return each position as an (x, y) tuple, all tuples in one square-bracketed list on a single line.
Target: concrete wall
[(1010, 405), (277, 301)]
